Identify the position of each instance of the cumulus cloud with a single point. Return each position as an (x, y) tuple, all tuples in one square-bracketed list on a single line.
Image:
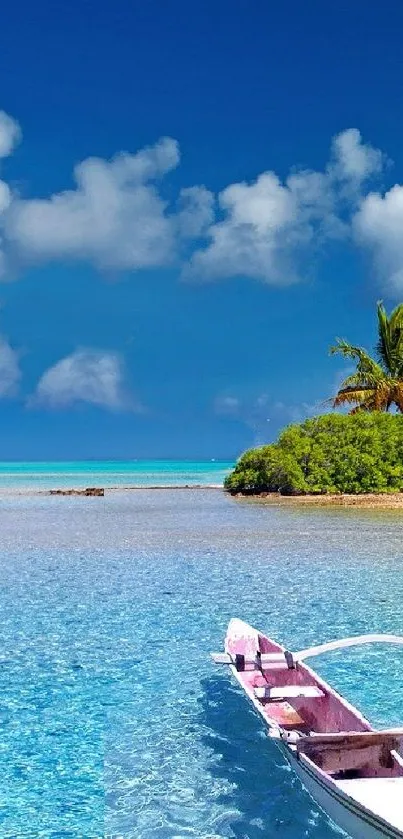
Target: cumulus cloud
[(268, 227), (90, 376), (118, 217), (378, 226), (10, 373), (353, 160), (10, 134), (5, 201), (115, 218), (258, 235), (5, 197)]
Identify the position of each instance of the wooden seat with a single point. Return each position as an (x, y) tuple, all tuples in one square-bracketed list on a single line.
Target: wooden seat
[(288, 692)]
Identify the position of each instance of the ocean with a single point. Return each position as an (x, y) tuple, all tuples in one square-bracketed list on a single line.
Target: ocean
[(138, 473), (114, 721)]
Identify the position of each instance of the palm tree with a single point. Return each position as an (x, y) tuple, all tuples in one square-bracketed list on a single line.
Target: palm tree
[(377, 384)]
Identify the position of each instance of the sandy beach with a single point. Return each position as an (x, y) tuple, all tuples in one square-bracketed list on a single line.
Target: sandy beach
[(384, 500)]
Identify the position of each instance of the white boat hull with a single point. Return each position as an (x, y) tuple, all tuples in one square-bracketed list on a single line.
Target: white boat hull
[(344, 811)]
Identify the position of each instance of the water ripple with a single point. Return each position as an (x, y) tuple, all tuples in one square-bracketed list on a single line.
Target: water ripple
[(113, 721)]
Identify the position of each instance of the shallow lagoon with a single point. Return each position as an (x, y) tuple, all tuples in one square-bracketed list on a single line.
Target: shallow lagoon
[(113, 720)]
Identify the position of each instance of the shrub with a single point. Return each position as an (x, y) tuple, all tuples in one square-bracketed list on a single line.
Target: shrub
[(333, 453)]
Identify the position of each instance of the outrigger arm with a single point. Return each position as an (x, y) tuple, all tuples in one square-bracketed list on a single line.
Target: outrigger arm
[(355, 641), (288, 659)]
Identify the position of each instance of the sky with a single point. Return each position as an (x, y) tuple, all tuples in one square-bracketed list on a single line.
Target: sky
[(196, 199)]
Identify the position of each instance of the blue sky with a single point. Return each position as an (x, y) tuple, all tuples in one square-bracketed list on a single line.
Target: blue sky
[(195, 200)]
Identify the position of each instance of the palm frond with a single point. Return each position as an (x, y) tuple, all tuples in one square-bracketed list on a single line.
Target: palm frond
[(365, 362), (363, 380), (368, 396), (396, 319), (384, 346), (398, 395), (376, 385), (350, 395)]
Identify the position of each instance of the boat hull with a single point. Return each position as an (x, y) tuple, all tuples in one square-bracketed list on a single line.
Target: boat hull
[(341, 809), (359, 814)]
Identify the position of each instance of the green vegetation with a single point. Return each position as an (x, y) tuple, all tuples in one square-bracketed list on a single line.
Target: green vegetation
[(361, 452), (377, 384), (334, 453)]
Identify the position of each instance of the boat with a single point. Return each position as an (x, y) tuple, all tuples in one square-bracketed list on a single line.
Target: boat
[(351, 770)]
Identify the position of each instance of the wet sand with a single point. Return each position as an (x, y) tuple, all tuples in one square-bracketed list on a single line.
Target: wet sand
[(390, 501)]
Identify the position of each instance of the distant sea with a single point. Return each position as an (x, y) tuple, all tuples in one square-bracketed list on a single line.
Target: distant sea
[(133, 473)]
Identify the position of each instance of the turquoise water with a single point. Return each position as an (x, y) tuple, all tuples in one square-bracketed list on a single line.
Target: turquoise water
[(114, 722), (140, 473)]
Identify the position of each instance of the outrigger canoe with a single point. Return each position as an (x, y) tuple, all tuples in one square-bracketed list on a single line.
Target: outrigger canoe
[(354, 772)]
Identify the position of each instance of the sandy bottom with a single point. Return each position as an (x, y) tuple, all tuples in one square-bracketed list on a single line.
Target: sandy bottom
[(380, 501), (61, 491)]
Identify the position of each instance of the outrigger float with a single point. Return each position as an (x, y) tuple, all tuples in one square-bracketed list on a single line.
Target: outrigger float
[(354, 772)]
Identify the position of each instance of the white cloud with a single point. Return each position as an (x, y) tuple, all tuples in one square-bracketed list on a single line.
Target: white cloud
[(90, 376), (10, 373), (268, 227), (115, 218), (255, 237), (354, 160), (10, 134), (5, 201), (378, 225), (5, 196)]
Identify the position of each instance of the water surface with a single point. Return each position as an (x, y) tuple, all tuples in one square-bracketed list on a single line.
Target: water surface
[(113, 720), (112, 473)]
